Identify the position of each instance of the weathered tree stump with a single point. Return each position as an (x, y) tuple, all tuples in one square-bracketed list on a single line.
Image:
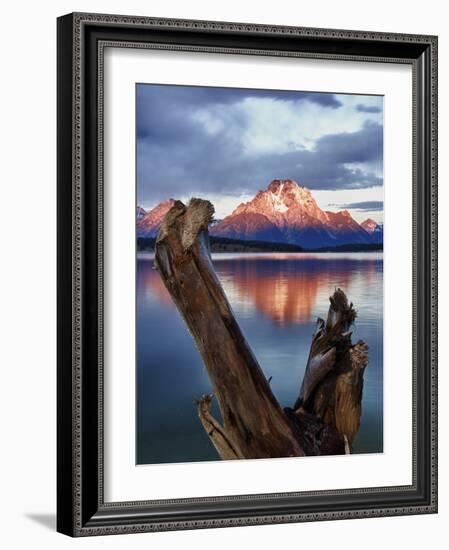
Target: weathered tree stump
[(326, 415)]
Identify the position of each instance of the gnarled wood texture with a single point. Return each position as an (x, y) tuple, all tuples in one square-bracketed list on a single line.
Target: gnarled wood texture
[(326, 415)]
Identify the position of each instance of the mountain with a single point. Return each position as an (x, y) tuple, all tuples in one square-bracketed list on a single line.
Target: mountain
[(148, 225), (140, 212), (375, 229), (286, 212)]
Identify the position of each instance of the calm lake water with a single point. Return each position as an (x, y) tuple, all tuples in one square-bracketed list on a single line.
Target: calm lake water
[(276, 299)]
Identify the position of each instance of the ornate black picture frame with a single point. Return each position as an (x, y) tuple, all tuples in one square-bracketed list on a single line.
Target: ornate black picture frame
[(81, 509)]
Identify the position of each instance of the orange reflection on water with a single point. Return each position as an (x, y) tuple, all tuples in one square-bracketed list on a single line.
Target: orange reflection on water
[(286, 291), (285, 297), (151, 282)]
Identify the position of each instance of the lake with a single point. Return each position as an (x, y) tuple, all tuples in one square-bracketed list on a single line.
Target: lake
[(276, 299)]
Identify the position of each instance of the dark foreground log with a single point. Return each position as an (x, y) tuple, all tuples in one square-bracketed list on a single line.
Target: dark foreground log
[(326, 415)]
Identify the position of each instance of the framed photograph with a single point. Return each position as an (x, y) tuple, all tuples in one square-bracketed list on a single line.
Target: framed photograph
[(247, 274)]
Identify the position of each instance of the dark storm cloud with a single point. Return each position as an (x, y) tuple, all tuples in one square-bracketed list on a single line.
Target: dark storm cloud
[(176, 155), (152, 96), (368, 108), (372, 206)]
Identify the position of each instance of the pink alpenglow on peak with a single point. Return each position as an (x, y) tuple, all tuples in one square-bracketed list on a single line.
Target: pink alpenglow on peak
[(369, 225), (286, 212), (148, 225), (376, 230)]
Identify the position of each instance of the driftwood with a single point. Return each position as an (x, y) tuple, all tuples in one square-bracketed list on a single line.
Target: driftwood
[(326, 415)]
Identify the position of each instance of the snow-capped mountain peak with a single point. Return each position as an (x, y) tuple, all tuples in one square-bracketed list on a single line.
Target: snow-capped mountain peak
[(369, 225), (375, 230), (279, 197), (287, 212), (284, 212)]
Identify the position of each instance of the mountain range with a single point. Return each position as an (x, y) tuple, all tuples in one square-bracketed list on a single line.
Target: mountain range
[(284, 212)]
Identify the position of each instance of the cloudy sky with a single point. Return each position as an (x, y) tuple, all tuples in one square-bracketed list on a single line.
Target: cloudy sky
[(224, 144)]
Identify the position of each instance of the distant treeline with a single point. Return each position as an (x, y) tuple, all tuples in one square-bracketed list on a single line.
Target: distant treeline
[(223, 244)]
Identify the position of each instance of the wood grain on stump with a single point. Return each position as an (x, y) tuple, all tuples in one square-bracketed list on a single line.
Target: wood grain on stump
[(326, 415)]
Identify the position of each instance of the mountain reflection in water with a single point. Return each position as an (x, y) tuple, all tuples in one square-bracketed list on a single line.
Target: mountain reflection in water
[(276, 299)]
